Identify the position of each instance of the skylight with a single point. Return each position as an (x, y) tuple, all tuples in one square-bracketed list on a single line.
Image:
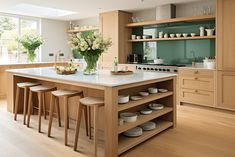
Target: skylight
[(41, 11)]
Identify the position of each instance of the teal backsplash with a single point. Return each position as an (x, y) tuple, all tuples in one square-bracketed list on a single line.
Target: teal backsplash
[(177, 51)]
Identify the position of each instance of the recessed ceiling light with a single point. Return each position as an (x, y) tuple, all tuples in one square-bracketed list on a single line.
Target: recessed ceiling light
[(40, 11)]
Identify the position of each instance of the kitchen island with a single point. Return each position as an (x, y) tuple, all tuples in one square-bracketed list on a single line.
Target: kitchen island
[(109, 87)]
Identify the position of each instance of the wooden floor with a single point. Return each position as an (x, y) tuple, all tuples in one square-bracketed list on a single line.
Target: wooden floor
[(200, 132)]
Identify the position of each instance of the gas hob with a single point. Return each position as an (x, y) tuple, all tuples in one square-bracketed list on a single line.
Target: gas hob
[(159, 68)]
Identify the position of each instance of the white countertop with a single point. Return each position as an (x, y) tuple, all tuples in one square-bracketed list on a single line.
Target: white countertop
[(103, 78)]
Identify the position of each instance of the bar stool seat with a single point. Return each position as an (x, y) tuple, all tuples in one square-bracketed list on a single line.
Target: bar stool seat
[(65, 94), (95, 103), (40, 90), (25, 86)]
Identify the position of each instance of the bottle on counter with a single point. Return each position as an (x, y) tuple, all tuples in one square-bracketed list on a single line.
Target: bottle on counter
[(115, 65)]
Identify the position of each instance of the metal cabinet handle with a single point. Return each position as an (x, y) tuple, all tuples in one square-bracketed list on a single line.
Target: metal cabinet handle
[(196, 91), (195, 72), (195, 78)]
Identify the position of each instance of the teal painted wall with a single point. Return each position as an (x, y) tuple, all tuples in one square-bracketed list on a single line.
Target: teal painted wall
[(178, 51)]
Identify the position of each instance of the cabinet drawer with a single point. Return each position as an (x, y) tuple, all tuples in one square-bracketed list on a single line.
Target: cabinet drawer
[(197, 97), (196, 73), (201, 83)]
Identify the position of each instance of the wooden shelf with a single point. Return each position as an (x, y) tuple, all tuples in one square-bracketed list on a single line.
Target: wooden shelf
[(174, 20), (144, 118), (168, 39), (126, 143), (146, 99), (83, 30)]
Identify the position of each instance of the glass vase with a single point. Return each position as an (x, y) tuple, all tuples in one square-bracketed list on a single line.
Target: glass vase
[(91, 61), (31, 55)]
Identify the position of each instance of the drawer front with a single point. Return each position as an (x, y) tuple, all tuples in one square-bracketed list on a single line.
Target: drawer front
[(196, 73), (197, 97), (200, 83)]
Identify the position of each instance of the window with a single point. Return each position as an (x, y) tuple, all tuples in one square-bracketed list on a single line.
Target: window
[(10, 28)]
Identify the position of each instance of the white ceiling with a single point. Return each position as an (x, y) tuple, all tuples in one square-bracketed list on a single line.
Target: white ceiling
[(83, 8)]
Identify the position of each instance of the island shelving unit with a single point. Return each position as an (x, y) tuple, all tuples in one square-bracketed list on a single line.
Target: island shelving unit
[(108, 87)]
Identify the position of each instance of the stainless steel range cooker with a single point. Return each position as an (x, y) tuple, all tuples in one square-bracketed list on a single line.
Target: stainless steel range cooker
[(158, 68)]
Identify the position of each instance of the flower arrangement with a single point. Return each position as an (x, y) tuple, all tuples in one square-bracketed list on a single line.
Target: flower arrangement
[(30, 43), (90, 45)]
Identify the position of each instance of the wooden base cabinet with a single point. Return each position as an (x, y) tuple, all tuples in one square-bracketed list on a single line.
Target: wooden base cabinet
[(226, 90)]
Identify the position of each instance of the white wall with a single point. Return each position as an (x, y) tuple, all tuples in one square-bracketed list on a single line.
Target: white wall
[(55, 38), (93, 21)]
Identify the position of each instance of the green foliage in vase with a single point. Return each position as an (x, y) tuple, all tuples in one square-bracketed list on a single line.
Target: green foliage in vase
[(30, 42)]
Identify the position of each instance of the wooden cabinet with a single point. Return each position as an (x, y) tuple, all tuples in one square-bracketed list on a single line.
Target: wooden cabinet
[(226, 90), (197, 86), (113, 25), (225, 35)]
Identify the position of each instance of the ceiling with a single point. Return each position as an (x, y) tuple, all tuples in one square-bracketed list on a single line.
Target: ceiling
[(83, 8)]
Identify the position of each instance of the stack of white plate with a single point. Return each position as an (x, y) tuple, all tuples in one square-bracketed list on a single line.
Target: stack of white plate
[(146, 111), (155, 106), (148, 126), (162, 90), (134, 132), (128, 116)]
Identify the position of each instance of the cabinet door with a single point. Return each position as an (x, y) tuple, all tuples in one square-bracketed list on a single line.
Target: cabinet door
[(226, 90), (225, 34), (109, 29)]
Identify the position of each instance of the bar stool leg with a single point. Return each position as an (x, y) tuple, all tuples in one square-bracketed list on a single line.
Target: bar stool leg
[(29, 107), (39, 110), (96, 110), (86, 120), (44, 106), (52, 103), (89, 120), (17, 101), (65, 120), (25, 103), (79, 115), (58, 110)]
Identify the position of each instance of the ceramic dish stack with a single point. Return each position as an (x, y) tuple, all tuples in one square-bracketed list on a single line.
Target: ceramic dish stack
[(122, 99), (148, 126), (137, 97), (155, 106), (134, 132), (153, 90), (162, 90), (128, 116), (146, 111)]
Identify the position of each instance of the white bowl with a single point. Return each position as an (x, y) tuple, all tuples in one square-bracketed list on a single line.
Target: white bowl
[(148, 126), (144, 37), (136, 97), (178, 35), (122, 99), (138, 37), (185, 35), (193, 34), (172, 35), (134, 132), (163, 90), (128, 116), (146, 111), (152, 90), (144, 93), (156, 106)]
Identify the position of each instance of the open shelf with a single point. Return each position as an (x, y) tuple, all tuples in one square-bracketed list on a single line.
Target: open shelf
[(146, 99), (144, 118), (167, 39), (82, 30), (174, 20), (125, 143)]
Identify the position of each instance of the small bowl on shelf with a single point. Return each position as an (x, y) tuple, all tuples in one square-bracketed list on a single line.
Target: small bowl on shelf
[(155, 106), (162, 90), (148, 126), (134, 132), (138, 37), (144, 93), (193, 34), (136, 97), (172, 35), (128, 116), (178, 35), (185, 35), (152, 90), (122, 99), (146, 111)]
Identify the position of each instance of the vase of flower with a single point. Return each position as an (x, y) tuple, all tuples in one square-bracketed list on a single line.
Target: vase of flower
[(30, 43), (90, 45)]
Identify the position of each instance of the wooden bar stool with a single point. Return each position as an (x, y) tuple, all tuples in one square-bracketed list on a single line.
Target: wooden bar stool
[(25, 86), (94, 103), (65, 94), (40, 90)]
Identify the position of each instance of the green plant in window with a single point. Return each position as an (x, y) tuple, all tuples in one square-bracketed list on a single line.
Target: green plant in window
[(30, 43)]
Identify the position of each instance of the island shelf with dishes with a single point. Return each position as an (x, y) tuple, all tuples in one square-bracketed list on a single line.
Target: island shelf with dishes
[(157, 100)]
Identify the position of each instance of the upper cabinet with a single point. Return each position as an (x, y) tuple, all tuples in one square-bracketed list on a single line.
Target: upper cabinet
[(113, 25), (226, 35)]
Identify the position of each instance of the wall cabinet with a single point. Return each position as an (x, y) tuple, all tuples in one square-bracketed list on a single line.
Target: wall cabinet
[(113, 25), (225, 35), (226, 90), (197, 86)]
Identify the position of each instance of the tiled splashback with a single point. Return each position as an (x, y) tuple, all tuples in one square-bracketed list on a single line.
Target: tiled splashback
[(177, 51)]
